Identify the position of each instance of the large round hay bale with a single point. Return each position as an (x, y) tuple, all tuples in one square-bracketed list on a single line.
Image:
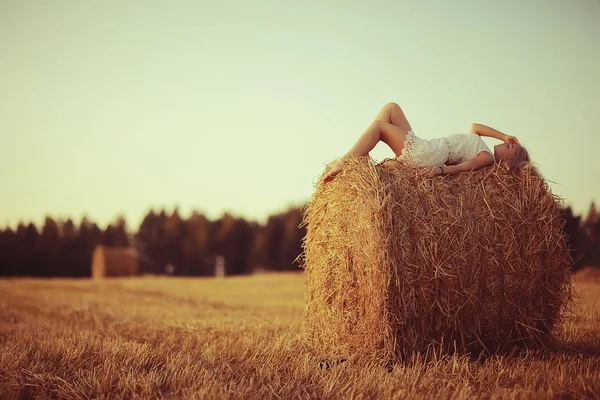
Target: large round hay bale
[(398, 263)]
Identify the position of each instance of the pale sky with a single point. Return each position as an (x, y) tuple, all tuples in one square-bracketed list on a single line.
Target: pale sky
[(115, 107)]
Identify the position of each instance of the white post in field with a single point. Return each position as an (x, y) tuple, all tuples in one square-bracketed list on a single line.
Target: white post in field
[(220, 266)]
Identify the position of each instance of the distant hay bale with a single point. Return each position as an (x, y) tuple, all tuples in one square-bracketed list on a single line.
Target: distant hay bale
[(114, 261), (398, 264)]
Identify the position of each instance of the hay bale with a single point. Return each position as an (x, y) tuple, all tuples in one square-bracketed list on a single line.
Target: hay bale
[(114, 261), (398, 264)]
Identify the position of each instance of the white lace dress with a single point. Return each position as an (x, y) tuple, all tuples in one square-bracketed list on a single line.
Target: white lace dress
[(452, 149)]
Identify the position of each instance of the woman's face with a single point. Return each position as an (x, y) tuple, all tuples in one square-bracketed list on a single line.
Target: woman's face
[(505, 151)]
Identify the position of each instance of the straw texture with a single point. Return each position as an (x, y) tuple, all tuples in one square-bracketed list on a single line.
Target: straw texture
[(397, 264)]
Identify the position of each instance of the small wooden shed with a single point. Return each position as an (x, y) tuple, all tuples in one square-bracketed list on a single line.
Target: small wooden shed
[(114, 261)]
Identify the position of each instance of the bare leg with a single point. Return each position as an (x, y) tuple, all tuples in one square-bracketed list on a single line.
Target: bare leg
[(393, 114), (390, 134), (390, 126)]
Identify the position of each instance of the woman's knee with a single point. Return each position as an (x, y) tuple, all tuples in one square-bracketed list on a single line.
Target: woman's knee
[(392, 106)]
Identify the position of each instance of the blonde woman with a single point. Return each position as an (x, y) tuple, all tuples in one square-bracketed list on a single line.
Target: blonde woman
[(447, 155)]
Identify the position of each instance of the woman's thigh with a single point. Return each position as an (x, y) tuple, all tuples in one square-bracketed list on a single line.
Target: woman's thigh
[(393, 136)]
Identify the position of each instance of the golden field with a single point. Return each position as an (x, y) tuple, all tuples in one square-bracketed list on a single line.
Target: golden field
[(241, 338)]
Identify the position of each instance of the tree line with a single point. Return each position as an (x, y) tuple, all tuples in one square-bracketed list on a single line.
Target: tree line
[(583, 236), (190, 245)]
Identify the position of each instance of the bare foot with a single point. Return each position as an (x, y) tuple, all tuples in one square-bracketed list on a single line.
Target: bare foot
[(335, 169)]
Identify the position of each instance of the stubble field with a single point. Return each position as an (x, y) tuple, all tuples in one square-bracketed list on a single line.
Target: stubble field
[(241, 338)]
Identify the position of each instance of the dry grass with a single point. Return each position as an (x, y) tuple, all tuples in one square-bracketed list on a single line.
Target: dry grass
[(241, 338), (399, 264)]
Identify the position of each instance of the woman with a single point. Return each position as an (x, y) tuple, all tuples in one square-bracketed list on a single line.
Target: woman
[(441, 156)]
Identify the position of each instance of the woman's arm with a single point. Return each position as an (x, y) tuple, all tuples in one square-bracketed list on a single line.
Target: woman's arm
[(483, 130), (482, 160)]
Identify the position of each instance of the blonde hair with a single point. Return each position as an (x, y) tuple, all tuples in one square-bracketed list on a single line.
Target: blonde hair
[(518, 161)]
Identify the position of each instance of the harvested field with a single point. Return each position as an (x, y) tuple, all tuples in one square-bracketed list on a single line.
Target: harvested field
[(242, 338)]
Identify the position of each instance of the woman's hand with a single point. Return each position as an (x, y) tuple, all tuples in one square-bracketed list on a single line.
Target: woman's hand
[(428, 171), (511, 139)]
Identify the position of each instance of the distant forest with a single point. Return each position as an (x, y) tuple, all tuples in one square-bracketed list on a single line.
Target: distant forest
[(62, 249)]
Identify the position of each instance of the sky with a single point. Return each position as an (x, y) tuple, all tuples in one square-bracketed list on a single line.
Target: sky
[(113, 108)]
